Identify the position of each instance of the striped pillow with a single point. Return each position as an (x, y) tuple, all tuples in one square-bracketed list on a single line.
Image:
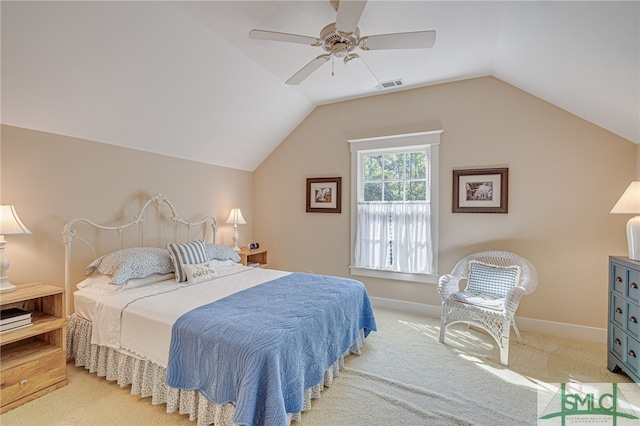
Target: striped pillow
[(493, 279), (186, 253)]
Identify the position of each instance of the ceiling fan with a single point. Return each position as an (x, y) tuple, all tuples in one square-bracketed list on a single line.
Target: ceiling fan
[(342, 37)]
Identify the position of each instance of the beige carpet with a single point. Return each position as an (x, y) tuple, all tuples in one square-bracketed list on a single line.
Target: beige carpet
[(404, 377)]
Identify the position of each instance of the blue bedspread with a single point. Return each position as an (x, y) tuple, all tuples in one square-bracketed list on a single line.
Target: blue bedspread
[(262, 347)]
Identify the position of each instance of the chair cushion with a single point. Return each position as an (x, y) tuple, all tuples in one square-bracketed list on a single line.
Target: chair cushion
[(486, 300), (492, 279)]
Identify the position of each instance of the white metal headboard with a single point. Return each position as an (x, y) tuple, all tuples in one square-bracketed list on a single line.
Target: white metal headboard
[(202, 229)]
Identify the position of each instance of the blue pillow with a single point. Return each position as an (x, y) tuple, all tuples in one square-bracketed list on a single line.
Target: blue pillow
[(132, 263), (220, 252)]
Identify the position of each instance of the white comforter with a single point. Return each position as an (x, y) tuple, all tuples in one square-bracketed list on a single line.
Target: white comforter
[(138, 321)]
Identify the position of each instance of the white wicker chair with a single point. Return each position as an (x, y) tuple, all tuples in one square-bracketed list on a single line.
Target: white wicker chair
[(496, 321)]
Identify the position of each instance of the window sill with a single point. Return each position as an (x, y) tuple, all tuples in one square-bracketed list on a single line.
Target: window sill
[(399, 276)]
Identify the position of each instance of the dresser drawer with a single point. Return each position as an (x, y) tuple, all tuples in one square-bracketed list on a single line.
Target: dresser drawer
[(632, 321), (634, 284), (618, 342), (619, 278), (30, 377), (632, 356), (618, 311)]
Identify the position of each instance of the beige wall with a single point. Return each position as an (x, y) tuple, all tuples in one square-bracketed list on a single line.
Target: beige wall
[(565, 175), (52, 179), (637, 162)]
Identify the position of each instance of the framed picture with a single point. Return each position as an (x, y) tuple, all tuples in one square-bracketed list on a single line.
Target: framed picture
[(481, 190), (324, 195)]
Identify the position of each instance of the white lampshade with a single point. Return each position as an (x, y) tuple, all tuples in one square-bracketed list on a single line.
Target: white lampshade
[(10, 224), (629, 203), (235, 217)]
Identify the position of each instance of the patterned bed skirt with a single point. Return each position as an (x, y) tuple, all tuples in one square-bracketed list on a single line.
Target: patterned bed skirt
[(149, 380)]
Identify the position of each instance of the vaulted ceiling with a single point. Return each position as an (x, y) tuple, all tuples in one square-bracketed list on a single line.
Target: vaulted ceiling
[(184, 79)]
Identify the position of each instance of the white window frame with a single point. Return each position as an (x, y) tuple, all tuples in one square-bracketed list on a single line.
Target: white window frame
[(402, 141)]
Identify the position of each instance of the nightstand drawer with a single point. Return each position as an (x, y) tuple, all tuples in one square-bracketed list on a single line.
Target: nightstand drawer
[(30, 377), (618, 311), (619, 278)]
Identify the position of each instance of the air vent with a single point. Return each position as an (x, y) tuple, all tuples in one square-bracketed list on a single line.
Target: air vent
[(390, 84)]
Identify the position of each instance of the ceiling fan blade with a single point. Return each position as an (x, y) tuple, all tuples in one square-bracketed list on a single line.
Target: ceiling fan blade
[(308, 69), (349, 13), (413, 40), (289, 38), (361, 71)]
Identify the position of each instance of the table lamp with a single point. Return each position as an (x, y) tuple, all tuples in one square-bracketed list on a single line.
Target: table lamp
[(10, 224), (629, 203), (235, 217)]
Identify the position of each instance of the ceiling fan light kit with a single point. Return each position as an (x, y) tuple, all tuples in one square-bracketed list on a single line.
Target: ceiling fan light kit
[(342, 37)]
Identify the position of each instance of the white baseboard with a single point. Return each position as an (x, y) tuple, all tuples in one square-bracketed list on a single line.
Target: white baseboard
[(570, 331), (410, 307)]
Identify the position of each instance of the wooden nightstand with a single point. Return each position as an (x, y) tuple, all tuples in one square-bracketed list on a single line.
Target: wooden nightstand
[(33, 359), (257, 257)]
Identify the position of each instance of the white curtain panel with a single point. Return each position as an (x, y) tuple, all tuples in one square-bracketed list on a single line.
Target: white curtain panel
[(394, 237)]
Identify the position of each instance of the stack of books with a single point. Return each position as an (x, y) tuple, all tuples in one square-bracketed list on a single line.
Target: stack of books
[(14, 318)]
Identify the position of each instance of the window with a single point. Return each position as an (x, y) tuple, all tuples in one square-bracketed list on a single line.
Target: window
[(394, 206)]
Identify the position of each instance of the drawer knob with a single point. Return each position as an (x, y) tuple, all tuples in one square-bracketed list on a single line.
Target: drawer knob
[(632, 353), (633, 285), (617, 341), (618, 279), (618, 311), (633, 320)]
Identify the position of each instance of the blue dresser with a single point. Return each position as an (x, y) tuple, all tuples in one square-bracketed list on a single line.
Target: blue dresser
[(624, 314)]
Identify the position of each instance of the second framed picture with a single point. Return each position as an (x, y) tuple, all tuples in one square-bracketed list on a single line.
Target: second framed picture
[(481, 190), (324, 195)]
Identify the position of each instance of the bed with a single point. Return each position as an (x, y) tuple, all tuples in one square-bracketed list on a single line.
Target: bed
[(176, 317)]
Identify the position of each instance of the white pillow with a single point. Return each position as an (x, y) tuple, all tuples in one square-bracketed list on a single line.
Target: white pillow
[(103, 284), (222, 264), (98, 284), (151, 279), (199, 272), (97, 280)]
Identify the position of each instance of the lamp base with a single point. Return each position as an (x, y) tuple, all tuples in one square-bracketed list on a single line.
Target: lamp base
[(633, 237), (235, 238), (6, 286)]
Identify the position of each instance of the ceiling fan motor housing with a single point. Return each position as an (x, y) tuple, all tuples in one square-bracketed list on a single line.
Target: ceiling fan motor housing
[(339, 45)]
